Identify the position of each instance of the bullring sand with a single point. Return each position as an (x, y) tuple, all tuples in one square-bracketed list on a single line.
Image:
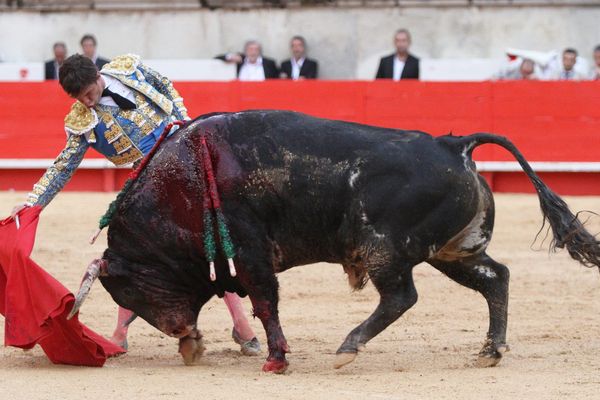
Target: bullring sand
[(553, 330)]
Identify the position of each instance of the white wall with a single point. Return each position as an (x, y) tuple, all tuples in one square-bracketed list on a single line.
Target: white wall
[(347, 42)]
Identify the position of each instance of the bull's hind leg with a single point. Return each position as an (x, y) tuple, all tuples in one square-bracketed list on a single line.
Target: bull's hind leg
[(490, 278), (397, 294)]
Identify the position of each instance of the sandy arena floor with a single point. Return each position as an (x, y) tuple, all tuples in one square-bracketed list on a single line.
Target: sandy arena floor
[(554, 326)]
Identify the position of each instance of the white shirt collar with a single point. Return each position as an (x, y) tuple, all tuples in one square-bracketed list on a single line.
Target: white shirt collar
[(398, 68), (115, 86), (56, 69), (296, 67), (259, 61), (300, 62)]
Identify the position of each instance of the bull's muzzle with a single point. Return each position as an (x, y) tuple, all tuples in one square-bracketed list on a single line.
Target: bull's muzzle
[(96, 268)]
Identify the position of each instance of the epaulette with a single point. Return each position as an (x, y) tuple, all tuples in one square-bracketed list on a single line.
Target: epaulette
[(80, 119), (122, 65)]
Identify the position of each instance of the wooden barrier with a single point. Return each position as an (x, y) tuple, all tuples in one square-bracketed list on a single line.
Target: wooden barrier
[(553, 122)]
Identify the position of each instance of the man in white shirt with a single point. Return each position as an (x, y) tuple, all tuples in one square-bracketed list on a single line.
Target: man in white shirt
[(252, 66)]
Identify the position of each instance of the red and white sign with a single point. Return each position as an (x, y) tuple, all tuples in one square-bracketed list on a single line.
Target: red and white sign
[(22, 72)]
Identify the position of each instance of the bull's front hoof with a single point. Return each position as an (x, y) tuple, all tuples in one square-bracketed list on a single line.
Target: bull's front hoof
[(275, 366), (490, 356), (342, 359), (486, 361), (191, 349)]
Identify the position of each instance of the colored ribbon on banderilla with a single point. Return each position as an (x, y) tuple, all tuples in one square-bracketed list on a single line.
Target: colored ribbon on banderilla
[(212, 212), (211, 203)]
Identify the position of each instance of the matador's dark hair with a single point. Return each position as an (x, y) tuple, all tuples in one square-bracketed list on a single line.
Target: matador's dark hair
[(76, 73)]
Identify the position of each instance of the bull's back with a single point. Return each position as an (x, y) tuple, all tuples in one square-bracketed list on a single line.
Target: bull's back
[(317, 182)]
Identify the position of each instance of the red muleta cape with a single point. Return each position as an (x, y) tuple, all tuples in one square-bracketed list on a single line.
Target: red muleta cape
[(35, 305)]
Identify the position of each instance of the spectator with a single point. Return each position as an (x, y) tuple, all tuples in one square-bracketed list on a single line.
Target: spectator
[(299, 66), (401, 64), (52, 66), (568, 72), (88, 46), (526, 71), (595, 75), (252, 66)]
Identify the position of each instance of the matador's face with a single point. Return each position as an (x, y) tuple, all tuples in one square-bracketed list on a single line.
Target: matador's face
[(91, 94)]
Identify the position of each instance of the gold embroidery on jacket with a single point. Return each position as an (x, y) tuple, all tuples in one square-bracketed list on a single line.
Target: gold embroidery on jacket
[(122, 65), (73, 142), (131, 156), (80, 119), (113, 133), (122, 144)]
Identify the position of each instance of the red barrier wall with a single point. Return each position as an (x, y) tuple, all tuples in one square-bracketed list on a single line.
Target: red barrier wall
[(548, 121)]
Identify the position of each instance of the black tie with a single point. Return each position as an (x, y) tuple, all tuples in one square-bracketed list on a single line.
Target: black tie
[(122, 102)]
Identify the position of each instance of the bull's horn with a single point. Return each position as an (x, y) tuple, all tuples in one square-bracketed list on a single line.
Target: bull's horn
[(96, 268)]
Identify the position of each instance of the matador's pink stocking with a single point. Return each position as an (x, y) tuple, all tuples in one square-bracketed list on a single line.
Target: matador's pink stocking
[(240, 322), (119, 336)]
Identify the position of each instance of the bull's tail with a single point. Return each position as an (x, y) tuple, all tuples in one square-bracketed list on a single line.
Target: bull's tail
[(567, 230)]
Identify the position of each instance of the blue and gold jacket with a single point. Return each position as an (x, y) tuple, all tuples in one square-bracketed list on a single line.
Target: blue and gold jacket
[(122, 136)]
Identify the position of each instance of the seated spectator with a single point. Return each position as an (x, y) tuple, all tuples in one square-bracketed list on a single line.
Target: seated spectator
[(88, 46), (401, 64), (525, 71), (52, 66), (567, 72), (299, 66), (595, 75), (252, 66)]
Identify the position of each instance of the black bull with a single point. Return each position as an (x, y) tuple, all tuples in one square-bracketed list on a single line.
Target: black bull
[(298, 190)]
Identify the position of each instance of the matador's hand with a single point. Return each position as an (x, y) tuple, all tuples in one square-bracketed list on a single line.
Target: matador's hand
[(18, 208)]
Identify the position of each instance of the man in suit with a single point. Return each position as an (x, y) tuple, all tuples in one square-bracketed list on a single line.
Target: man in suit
[(299, 66), (52, 66), (252, 66), (88, 46), (401, 64)]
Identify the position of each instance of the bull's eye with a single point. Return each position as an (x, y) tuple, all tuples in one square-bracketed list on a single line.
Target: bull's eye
[(128, 292)]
